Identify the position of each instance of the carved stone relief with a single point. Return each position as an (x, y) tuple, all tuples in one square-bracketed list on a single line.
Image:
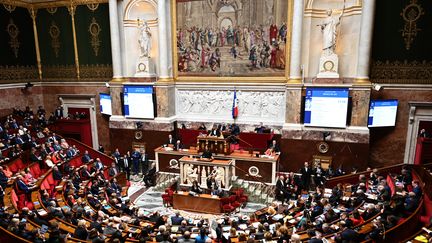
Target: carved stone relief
[(253, 105)]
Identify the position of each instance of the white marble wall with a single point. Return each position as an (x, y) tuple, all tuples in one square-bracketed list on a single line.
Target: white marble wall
[(215, 104), (347, 45), (145, 10)]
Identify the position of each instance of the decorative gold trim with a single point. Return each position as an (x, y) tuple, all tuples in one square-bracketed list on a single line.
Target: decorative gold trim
[(295, 81), (33, 15), (271, 79), (54, 32), (321, 13), (49, 4), (26, 73), (94, 30), (362, 81), (10, 8), (51, 10), (99, 71), (323, 147), (13, 32), (402, 72), (411, 14), (72, 10), (92, 6), (59, 72)]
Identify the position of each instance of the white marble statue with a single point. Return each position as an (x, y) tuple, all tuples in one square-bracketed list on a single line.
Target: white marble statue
[(329, 29), (191, 174), (145, 39)]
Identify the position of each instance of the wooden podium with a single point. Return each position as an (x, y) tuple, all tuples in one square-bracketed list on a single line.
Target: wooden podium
[(192, 169), (217, 145)]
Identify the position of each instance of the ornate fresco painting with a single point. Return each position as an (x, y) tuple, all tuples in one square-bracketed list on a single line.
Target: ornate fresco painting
[(231, 38)]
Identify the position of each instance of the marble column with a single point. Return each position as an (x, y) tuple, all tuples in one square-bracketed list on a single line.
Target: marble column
[(360, 106), (115, 91), (115, 39), (165, 96), (169, 39), (293, 103), (296, 44), (163, 43), (366, 31)]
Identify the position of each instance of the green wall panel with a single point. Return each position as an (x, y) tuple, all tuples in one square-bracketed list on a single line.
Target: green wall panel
[(26, 54), (388, 43), (83, 20), (63, 21)]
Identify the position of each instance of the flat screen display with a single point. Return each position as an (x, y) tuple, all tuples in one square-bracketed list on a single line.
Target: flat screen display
[(382, 113), (326, 107), (105, 103), (138, 101)]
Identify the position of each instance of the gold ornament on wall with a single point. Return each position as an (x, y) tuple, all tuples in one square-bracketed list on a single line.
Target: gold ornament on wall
[(52, 10), (93, 6), (411, 14), (94, 30), (54, 32), (13, 32), (9, 7)]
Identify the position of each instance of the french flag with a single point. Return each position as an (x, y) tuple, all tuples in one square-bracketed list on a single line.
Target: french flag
[(235, 105)]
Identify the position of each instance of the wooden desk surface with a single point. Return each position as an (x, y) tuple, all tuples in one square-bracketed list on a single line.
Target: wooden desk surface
[(203, 203), (214, 161)]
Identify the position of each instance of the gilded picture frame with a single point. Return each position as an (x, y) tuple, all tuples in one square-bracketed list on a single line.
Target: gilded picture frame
[(249, 72)]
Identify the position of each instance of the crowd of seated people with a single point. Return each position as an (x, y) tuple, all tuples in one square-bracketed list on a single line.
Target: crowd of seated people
[(97, 211)]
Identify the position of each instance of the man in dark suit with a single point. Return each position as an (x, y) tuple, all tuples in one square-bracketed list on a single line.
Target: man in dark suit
[(136, 156), (3, 178), (214, 132), (149, 178), (86, 158), (348, 234), (281, 189), (171, 140), (306, 174), (33, 157), (260, 128), (176, 219), (207, 154), (144, 162), (113, 171), (178, 146), (235, 130), (124, 163), (274, 146), (116, 155)]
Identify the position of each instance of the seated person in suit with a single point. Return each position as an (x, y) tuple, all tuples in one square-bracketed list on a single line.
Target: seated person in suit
[(202, 127), (260, 129), (207, 154), (235, 129), (171, 140), (275, 147), (196, 188), (214, 132), (176, 219), (178, 146)]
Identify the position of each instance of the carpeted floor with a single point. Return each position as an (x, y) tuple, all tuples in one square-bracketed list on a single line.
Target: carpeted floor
[(150, 200)]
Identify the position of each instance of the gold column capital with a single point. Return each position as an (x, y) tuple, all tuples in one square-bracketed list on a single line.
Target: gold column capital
[(362, 81), (294, 80)]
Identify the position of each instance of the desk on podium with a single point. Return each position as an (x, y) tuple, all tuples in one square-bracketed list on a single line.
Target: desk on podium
[(203, 203)]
